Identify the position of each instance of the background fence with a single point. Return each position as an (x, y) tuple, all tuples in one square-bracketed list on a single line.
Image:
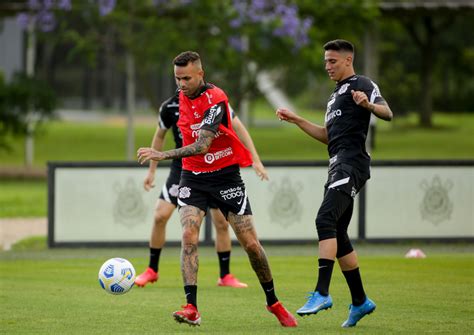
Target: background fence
[(104, 204)]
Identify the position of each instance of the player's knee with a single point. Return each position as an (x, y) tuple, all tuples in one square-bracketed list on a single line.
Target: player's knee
[(190, 234), (221, 226), (325, 226), (160, 219), (344, 245), (251, 246)]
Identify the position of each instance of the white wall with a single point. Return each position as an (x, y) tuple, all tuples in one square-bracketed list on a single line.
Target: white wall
[(108, 204)]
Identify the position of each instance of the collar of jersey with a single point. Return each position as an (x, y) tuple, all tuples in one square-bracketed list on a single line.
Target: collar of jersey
[(203, 89), (342, 82)]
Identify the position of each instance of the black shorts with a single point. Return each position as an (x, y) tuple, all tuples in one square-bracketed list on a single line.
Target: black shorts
[(223, 189), (335, 213), (170, 189), (344, 178)]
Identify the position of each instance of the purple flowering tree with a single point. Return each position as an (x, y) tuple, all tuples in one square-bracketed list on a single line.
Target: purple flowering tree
[(280, 18)]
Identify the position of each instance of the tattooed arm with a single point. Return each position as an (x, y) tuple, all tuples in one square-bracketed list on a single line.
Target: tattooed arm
[(201, 146)]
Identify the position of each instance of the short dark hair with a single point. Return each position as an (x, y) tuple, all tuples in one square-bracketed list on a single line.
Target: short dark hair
[(185, 57), (339, 45)]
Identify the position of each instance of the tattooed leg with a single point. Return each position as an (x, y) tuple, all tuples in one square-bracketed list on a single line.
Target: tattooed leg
[(191, 218), (245, 232)]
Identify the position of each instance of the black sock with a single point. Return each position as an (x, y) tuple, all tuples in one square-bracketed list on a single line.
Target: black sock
[(269, 290), (154, 258), (324, 275), (191, 294), (355, 286), (224, 262)]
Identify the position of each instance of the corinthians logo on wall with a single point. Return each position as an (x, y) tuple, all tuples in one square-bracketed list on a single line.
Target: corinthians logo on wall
[(436, 205), (129, 208), (285, 207)]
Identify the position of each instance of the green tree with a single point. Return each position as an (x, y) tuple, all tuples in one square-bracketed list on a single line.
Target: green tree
[(17, 99)]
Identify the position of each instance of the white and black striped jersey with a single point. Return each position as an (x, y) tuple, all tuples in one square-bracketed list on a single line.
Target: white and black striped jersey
[(347, 123)]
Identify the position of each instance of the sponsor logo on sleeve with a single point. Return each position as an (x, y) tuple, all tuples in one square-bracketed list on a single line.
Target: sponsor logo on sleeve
[(375, 92), (214, 111)]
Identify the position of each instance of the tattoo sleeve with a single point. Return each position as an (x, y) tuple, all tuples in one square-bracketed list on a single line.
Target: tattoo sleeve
[(201, 146)]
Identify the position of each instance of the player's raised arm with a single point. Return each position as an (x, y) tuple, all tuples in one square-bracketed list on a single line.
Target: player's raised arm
[(380, 109), (312, 129)]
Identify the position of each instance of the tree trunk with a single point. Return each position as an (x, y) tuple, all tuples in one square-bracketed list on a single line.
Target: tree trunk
[(30, 71), (427, 56), (130, 106), (244, 106)]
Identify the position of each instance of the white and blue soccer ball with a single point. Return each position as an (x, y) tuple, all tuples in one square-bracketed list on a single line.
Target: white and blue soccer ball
[(117, 276)]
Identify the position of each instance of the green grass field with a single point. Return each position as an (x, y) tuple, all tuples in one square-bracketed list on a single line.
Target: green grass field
[(57, 292), (22, 198)]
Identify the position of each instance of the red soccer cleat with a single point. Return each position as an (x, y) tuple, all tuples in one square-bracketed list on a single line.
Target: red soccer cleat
[(230, 281), (149, 276), (286, 318), (189, 314)]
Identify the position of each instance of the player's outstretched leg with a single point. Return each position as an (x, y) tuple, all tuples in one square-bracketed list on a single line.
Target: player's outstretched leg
[(247, 236), (316, 302), (163, 211), (358, 312)]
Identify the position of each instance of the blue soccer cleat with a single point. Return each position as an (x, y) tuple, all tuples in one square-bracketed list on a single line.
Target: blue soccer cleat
[(358, 312), (316, 302)]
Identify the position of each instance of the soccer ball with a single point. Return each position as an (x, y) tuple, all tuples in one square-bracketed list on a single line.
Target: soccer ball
[(117, 276)]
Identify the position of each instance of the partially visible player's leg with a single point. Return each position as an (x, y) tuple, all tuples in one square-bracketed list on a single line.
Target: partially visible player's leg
[(348, 262), (191, 218), (223, 248), (334, 204), (247, 236), (163, 212)]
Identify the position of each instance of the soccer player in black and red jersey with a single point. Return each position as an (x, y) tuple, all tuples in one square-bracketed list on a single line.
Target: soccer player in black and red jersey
[(212, 154), (348, 113), (168, 200)]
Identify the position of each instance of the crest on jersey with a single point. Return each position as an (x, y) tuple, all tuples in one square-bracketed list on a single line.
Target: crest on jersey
[(343, 88), (436, 205)]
